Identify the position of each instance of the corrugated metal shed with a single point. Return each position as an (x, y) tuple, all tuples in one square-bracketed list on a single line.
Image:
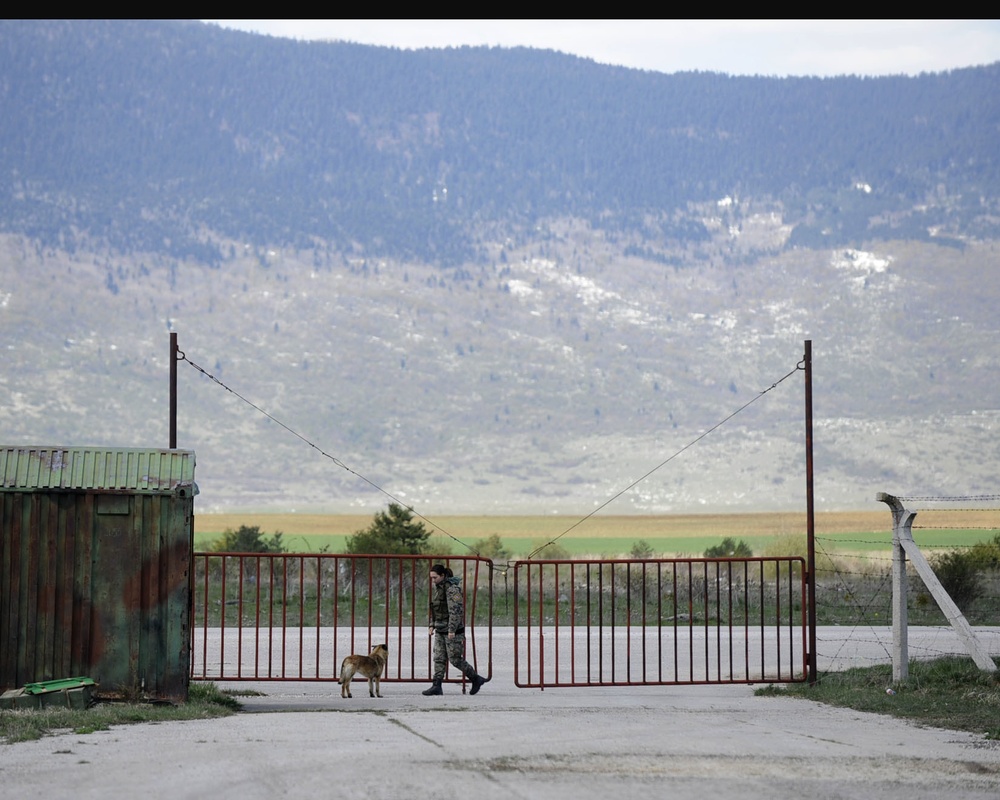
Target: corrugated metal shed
[(95, 567), (97, 469)]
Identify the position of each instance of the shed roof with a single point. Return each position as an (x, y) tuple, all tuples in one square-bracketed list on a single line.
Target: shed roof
[(97, 469)]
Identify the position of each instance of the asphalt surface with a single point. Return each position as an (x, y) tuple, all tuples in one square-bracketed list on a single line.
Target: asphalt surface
[(721, 742)]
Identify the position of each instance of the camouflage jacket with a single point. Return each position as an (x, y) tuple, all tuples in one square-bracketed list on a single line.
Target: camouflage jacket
[(448, 607)]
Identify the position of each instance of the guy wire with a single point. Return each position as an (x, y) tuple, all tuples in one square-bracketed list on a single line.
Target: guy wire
[(663, 463), (182, 357)]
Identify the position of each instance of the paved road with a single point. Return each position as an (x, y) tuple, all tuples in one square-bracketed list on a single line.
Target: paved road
[(721, 742)]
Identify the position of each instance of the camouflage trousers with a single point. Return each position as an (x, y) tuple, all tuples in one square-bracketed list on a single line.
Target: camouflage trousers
[(452, 650)]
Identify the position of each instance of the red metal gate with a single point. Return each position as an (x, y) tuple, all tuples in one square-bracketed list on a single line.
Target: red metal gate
[(285, 617), (294, 617), (659, 621)]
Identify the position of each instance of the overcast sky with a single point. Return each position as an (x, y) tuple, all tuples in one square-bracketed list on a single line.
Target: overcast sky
[(738, 47)]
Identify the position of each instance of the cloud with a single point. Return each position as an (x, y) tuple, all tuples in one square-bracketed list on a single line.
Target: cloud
[(739, 47)]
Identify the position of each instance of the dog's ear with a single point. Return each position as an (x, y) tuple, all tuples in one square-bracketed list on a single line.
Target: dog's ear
[(384, 646)]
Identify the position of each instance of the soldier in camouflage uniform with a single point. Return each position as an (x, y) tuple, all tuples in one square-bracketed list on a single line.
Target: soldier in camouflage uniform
[(448, 629)]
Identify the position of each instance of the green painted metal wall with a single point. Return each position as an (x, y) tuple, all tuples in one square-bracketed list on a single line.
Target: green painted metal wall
[(95, 578)]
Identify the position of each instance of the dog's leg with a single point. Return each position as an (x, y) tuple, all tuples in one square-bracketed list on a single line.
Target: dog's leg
[(378, 686)]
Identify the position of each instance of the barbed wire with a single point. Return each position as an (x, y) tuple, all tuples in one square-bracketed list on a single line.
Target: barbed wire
[(968, 498), (915, 649), (954, 528), (850, 541), (864, 608), (929, 545), (843, 572), (833, 598)]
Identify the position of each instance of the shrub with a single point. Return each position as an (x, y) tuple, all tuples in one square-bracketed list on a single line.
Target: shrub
[(549, 551), (959, 572), (492, 547), (438, 546), (986, 555), (729, 548), (641, 549), (247, 539)]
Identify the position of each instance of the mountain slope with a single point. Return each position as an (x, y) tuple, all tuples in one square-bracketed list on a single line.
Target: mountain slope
[(495, 281), (165, 136), (545, 385)]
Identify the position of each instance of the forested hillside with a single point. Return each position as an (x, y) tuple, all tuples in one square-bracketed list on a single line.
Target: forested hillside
[(156, 135)]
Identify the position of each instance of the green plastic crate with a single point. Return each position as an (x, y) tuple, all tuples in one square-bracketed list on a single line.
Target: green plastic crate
[(62, 693), (60, 685)]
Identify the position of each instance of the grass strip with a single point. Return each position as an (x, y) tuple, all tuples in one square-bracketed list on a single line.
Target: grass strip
[(205, 701), (949, 692)]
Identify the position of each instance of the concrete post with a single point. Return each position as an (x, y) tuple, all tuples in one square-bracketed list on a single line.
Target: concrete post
[(902, 541), (902, 528)]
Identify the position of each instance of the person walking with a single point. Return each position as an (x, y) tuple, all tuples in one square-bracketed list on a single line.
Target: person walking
[(448, 629)]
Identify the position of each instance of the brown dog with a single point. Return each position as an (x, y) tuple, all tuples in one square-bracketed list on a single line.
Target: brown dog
[(371, 666)]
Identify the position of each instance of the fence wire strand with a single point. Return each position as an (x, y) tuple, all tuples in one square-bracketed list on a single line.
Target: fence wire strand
[(873, 576)]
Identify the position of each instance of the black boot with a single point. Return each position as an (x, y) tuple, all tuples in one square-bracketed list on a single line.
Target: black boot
[(476, 680), (435, 688)]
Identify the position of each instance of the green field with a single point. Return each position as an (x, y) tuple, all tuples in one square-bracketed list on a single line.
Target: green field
[(614, 536)]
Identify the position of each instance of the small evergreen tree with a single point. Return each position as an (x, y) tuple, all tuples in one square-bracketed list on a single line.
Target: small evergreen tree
[(392, 531)]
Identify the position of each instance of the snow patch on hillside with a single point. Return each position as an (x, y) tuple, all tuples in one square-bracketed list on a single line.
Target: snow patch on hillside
[(861, 261)]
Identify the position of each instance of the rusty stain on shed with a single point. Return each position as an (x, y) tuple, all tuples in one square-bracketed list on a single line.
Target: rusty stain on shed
[(95, 567)]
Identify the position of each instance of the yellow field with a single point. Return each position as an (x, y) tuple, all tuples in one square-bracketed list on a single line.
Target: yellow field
[(613, 536), (602, 527)]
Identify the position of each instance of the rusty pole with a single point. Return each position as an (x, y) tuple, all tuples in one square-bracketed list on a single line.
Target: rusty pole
[(810, 516), (173, 391)]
